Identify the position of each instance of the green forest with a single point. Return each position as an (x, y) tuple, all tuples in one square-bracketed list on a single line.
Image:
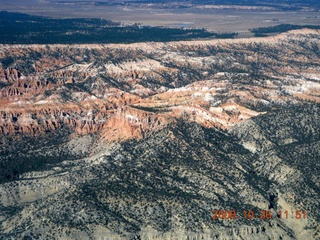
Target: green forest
[(17, 28), (265, 31)]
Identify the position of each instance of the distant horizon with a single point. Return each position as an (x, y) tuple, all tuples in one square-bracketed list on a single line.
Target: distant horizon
[(193, 14)]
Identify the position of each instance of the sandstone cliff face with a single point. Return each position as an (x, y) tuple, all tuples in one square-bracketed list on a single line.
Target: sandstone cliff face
[(143, 141), (166, 185), (217, 83), (9, 75)]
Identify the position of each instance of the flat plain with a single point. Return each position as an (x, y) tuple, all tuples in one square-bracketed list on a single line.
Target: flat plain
[(218, 18)]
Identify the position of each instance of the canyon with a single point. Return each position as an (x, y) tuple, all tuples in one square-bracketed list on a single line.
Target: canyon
[(219, 83), (144, 140)]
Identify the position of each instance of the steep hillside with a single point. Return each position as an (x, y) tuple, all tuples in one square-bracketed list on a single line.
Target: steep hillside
[(166, 187), (146, 140)]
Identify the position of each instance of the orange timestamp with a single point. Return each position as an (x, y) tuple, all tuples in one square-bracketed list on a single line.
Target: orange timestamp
[(263, 214)]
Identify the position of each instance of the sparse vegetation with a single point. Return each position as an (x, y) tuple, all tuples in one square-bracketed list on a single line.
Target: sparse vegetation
[(63, 175)]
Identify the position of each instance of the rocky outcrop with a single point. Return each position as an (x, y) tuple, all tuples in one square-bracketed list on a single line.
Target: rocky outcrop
[(94, 88), (167, 184), (9, 75), (144, 141)]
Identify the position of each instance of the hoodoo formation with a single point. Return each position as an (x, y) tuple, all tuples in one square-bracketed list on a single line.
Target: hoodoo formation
[(146, 140)]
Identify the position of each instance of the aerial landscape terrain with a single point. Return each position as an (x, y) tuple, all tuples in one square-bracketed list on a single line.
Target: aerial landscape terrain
[(135, 120), (215, 15)]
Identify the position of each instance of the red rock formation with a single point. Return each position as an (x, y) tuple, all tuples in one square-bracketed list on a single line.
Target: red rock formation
[(121, 99)]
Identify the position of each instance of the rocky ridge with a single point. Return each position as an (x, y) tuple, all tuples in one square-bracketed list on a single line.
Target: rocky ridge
[(143, 141), (217, 82)]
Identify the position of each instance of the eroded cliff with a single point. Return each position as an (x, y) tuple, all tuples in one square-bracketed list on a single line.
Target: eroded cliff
[(143, 141)]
